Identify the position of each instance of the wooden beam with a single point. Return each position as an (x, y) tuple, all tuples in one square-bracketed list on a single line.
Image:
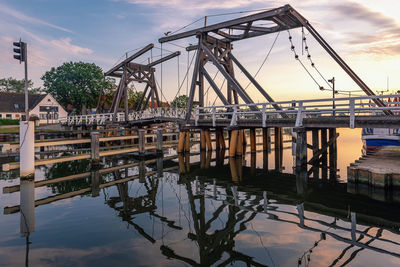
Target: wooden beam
[(129, 59)]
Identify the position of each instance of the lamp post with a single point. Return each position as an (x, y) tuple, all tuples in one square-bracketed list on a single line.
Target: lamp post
[(332, 81)]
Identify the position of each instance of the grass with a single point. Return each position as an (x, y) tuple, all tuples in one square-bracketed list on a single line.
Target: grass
[(9, 130), (9, 122)]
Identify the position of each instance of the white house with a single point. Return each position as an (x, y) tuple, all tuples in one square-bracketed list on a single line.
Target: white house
[(12, 106)]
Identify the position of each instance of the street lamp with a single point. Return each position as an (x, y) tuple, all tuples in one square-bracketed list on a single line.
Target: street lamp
[(332, 81)]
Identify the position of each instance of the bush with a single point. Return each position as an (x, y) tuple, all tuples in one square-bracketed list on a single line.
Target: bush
[(9, 122)]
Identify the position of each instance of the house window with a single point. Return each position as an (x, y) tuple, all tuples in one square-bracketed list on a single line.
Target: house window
[(1, 116), (8, 116), (16, 106), (16, 115)]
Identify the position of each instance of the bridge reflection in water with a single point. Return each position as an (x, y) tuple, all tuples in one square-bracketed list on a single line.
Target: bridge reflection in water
[(206, 209)]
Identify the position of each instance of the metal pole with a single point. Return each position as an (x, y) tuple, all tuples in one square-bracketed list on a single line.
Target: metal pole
[(333, 92), (25, 48)]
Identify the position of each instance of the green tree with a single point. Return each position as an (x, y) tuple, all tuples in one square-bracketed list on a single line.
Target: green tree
[(180, 101), (12, 85), (75, 83), (134, 98)]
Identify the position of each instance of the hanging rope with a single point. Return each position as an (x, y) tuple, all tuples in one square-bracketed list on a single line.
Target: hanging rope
[(311, 61), (265, 59), (222, 85), (292, 47), (185, 77)]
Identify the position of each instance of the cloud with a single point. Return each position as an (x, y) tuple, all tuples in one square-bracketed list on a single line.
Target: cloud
[(8, 11), (197, 4), (65, 45), (377, 34)]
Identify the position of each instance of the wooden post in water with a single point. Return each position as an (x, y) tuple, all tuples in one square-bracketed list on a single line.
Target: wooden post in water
[(95, 148), (187, 141), (239, 146), (159, 147), (217, 140), (95, 183), (324, 156), (332, 154), (141, 141), (233, 143), (315, 145), (253, 140), (208, 140), (222, 140), (301, 149), (202, 140), (278, 148), (181, 142), (265, 138)]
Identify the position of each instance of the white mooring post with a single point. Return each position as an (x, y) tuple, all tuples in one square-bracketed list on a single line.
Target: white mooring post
[(27, 148), (27, 207)]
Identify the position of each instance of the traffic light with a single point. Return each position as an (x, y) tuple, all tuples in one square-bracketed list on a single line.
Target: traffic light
[(20, 51)]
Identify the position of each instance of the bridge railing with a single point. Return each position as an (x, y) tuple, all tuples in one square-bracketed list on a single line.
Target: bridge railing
[(350, 107), (103, 118)]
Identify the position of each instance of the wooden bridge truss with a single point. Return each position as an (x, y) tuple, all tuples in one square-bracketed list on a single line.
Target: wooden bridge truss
[(128, 72), (215, 45)]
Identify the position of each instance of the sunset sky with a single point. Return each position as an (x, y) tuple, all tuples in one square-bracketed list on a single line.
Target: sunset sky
[(366, 33)]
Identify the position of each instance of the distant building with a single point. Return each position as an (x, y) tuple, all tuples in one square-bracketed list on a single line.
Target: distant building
[(12, 106)]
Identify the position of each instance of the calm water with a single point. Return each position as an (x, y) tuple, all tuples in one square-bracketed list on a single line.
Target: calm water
[(196, 211)]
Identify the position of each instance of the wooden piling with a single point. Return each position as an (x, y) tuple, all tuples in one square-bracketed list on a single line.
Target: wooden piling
[(222, 140), (278, 148), (233, 143), (265, 138), (324, 156), (315, 145), (187, 141), (141, 141), (95, 148), (217, 140), (208, 140), (301, 149), (239, 146), (202, 140), (181, 142), (253, 140), (332, 154), (159, 147)]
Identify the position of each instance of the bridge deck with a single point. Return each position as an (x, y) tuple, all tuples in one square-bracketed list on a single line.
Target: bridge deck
[(392, 121)]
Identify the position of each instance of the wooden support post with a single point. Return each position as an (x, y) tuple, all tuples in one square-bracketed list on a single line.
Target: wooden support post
[(159, 146), (265, 160), (253, 140), (142, 171), (141, 141), (301, 149), (324, 156), (181, 142), (239, 146), (278, 148), (222, 140), (181, 161), (265, 138), (202, 140), (332, 154), (202, 159), (95, 181), (95, 148), (187, 141), (208, 139), (233, 143), (253, 164), (315, 144), (217, 140)]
